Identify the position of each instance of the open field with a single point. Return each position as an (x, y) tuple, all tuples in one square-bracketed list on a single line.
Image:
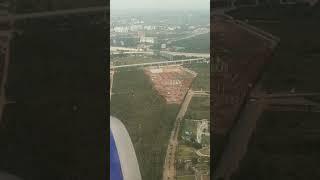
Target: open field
[(199, 108), (55, 128), (285, 146), (197, 44), (185, 152), (146, 116), (202, 81)]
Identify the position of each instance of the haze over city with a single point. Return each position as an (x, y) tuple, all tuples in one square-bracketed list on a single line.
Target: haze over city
[(160, 4)]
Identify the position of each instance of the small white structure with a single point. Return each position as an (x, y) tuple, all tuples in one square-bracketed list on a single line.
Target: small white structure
[(147, 40), (202, 129)]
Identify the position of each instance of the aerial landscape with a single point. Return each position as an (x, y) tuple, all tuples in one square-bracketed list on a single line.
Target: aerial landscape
[(266, 99), (160, 89)]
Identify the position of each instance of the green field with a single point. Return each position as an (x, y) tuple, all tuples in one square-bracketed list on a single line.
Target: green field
[(196, 44), (190, 127), (185, 152), (202, 81), (147, 117), (199, 108)]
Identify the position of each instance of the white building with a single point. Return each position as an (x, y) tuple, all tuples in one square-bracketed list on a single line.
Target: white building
[(149, 28), (121, 29), (136, 27), (147, 40)]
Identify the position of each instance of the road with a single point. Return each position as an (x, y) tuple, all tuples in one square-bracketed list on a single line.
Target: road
[(158, 63), (169, 170), (132, 52), (116, 50), (200, 154), (173, 53)]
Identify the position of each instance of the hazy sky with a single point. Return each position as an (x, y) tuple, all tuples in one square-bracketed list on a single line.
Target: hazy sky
[(160, 4)]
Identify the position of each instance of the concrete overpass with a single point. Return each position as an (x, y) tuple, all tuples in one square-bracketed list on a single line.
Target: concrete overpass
[(203, 55), (160, 63), (167, 54), (116, 49)]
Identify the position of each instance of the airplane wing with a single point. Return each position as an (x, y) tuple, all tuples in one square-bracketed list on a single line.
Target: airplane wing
[(123, 161)]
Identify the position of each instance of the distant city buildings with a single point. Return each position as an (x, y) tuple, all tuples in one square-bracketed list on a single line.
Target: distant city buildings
[(149, 28), (147, 40), (136, 27), (121, 29)]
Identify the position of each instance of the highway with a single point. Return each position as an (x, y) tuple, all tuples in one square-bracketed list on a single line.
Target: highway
[(133, 52), (158, 63), (117, 50), (204, 55)]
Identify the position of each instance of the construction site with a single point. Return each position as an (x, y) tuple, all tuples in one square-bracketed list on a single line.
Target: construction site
[(171, 82)]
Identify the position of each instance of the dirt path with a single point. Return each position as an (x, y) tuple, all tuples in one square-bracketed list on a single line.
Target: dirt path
[(169, 170)]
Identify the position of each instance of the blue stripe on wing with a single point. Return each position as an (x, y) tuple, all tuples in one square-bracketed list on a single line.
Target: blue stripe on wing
[(115, 165)]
